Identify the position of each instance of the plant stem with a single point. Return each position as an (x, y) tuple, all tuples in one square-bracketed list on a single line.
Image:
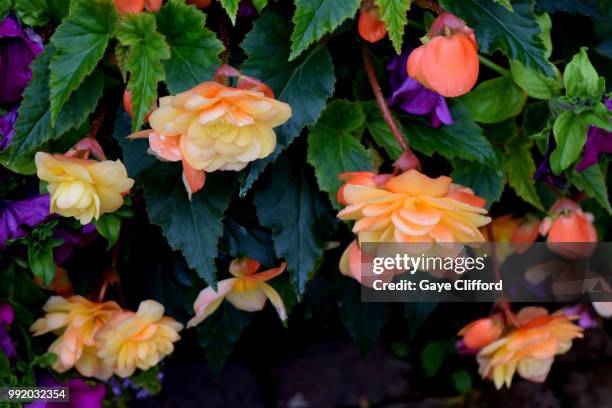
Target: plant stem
[(429, 5), (380, 99), (495, 67)]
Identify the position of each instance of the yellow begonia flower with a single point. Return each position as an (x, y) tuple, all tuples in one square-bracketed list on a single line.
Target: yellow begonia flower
[(137, 340), (77, 321), (83, 189), (247, 291)]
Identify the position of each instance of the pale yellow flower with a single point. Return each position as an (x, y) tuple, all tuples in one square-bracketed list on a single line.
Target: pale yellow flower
[(83, 189), (137, 340)]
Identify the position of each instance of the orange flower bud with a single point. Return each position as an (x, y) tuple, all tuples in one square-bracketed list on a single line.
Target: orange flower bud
[(448, 63), (482, 332), (153, 5), (130, 6), (371, 28)]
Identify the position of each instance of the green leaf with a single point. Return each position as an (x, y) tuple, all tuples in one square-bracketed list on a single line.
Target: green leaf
[(570, 131), (581, 79), (305, 83), (147, 49), (195, 52), (505, 3), (40, 260), (192, 227), (289, 203), (315, 18), (33, 127), (432, 357), (231, 8), (486, 181), (536, 84), (462, 380), (520, 169), (363, 320), (464, 139), (495, 100), (587, 8), (5, 7), (516, 34), (260, 5), (379, 129), (219, 333), (109, 226), (593, 182), (394, 14), (80, 42), (334, 145), (32, 12)]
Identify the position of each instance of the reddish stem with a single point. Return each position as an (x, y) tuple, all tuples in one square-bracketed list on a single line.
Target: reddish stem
[(429, 5), (223, 33), (380, 99)]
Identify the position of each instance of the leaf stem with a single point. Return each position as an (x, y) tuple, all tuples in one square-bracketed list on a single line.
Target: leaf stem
[(429, 5), (380, 99), (495, 67)]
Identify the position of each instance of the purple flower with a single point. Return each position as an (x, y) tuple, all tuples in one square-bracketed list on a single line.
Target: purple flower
[(6, 314), (414, 98), (18, 48), (246, 9), (545, 173), (585, 319), (82, 395), (72, 240), (599, 141), (17, 217), (7, 128), (6, 318)]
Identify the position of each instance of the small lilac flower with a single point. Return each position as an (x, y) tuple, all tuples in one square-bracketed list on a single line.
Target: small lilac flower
[(72, 240), (545, 173), (6, 319), (585, 319), (7, 128), (18, 217), (82, 395), (18, 48), (414, 98)]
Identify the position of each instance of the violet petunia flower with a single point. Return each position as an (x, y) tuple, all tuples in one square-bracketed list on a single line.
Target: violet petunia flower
[(82, 395), (599, 141), (7, 128), (6, 319), (414, 98), (545, 173), (18, 217), (582, 312), (246, 9), (18, 48)]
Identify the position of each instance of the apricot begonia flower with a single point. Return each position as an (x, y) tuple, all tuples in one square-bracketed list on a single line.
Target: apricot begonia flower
[(83, 189), (519, 233), (566, 225), (215, 127), (448, 62), (247, 291), (137, 340), (530, 348), (77, 321)]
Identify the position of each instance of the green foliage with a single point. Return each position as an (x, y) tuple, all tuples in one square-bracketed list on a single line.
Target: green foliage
[(433, 356), (334, 145), (379, 129), (147, 49), (40, 245), (305, 83), (516, 34), (194, 52), (536, 84), (80, 43), (520, 168), (315, 18), (505, 3), (593, 182), (393, 14), (31, 12), (109, 226), (588, 8), (486, 181), (570, 131), (287, 202), (416, 313), (581, 79), (495, 100), (231, 8), (462, 381), (33, 128), (260, 4)]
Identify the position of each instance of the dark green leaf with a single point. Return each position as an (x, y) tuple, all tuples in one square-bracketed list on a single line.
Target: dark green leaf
[(593, 182), (334, 145), (195, 52), (315, 18), (587, 8), (289, 203), (252, 242), (40, 259), (432, 357), (80, 42), (305, 83), (416, 313), (495, 100), (33, 128), (32, 12), (393, 14), (520, 170), (231, 8), (109, 226), (147, 49), (379, 129), (462, 380), (486, 181), (516, 33)]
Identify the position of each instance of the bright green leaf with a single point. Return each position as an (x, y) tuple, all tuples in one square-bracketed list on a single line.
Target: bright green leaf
[(289, 203), (334, 145), (147, 49), (536, 84), (33, 128), (32, 12), (520, 169), (40, 259), (305, 83), (315, 18), (570, 131), (505, 3), (394, 14), (486, 181), (231, 8), (516, 33), (593, 182), (260, 5), (581, 78), (109, 226), (80, 42), (495, 100), (195, 52)]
